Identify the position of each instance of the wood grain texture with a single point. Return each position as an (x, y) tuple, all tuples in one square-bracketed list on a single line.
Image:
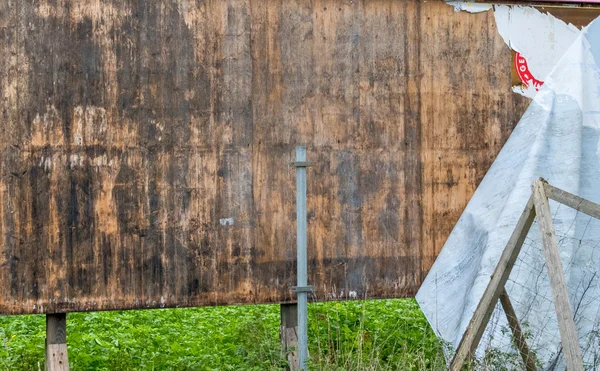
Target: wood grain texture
[(518, 337), (56, 328), (575, 202), (288, 334), (56, 358), (145, 146), (566, 324), (56, 342)]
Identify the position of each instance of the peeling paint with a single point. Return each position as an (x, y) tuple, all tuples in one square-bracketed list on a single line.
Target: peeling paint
[(226, 221), (470, 7), (526, 90), (539, 38)]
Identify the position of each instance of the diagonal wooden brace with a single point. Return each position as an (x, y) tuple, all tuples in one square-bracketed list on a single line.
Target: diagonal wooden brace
[(481, 317), (517, 332)]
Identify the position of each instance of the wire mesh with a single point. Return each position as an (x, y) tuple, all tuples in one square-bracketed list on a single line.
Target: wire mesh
[(578, 237)]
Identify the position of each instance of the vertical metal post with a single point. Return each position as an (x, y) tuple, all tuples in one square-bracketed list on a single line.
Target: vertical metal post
[(302, 289)]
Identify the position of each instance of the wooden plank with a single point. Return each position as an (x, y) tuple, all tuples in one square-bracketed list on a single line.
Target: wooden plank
[(288, 333), (580, 204), (481, 317), (447, 182), (56, 342), (568, 332), (145, 146), (517, 333)]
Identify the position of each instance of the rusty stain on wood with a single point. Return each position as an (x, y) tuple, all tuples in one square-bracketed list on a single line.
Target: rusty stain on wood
[(130, 130)]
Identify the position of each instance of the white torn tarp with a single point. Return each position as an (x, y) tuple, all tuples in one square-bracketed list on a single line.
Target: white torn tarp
[(558, 138), (469, 6), (539, 38)]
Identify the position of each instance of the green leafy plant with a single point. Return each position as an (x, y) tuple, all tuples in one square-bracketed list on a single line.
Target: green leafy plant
[(360, 335)]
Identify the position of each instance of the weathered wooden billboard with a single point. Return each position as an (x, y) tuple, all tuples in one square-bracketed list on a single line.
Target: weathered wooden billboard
[(146, 146)]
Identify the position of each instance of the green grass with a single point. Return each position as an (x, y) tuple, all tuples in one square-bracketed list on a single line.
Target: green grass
[(359, 335)]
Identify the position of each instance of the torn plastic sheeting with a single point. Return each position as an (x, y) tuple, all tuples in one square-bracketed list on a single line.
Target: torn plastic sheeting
[(539, 38), (557, 139), (470, 7)]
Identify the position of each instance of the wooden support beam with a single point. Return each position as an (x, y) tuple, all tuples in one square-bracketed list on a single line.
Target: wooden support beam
[(575, 202), (517, 333), (481, 317), (288, 333), (56, 342), (566, 325)]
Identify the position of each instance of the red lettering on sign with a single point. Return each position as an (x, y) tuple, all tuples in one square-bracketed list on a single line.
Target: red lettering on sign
[(524, 73)]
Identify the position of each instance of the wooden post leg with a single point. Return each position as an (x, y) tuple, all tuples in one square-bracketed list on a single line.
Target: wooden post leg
[(56, 342), (288, 333), (517, 333), (472, 336), (566, 325)]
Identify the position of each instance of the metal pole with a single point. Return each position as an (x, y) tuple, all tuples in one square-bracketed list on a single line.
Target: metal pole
[(302, 289)]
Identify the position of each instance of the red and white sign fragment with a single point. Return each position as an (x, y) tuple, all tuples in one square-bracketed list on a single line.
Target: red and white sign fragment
[(525, 74), (539, 38)]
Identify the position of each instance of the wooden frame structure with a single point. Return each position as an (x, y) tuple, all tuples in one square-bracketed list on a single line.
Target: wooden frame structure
[(536, 206)]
